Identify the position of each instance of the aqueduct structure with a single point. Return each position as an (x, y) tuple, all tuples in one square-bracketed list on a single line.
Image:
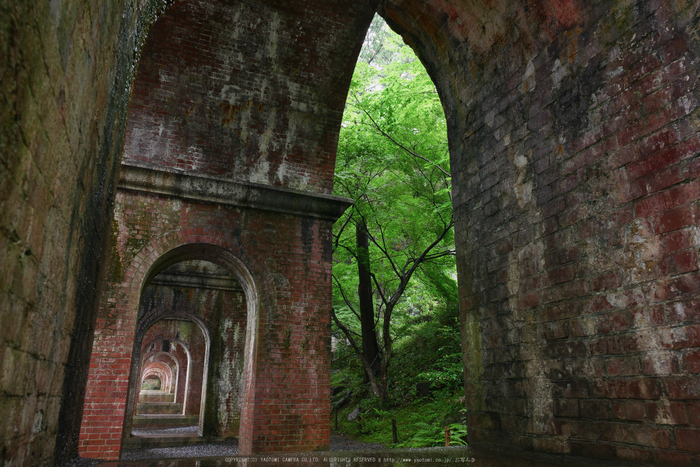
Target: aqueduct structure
[(167, 171)]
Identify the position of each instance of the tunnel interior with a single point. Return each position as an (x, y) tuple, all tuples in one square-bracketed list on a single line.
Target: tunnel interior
[(192, 327), (573, 133)]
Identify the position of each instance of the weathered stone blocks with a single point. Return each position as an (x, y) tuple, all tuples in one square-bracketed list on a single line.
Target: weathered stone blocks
[(574, 153)]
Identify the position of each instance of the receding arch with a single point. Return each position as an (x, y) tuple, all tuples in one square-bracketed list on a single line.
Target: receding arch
[(164, 372), (154, 378), (162, 377), (140, 356), (223, 258), (147, 367), (153, 362)]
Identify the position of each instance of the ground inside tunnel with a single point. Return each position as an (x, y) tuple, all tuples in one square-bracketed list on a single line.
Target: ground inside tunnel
[(344, 452)]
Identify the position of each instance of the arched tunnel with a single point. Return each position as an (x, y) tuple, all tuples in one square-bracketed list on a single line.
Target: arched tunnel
[(142, 140)]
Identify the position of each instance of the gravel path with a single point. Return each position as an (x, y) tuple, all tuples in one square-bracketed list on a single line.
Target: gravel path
[(228, 448), (220, 449), (341, 443)]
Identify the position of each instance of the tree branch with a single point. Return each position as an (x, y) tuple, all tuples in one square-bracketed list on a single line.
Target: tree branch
[(379, 289), (345, 298), (415, 263), (397, 143), (365, 364), (340, 232)]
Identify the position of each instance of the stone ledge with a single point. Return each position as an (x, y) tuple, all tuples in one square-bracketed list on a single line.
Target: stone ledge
[(232, 193), (201, 282)]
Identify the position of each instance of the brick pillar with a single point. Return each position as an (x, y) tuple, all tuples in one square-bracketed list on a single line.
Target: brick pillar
[(108, 380)]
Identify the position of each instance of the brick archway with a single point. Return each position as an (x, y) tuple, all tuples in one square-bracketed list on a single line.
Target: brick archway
[(154, 375), (161, 370), (146, 368), (107, 393), (139, 357), (266, 187), (141, 362)]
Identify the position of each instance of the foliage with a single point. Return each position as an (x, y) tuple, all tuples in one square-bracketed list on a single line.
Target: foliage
[(393, 161), (427, 349), (419, 424)]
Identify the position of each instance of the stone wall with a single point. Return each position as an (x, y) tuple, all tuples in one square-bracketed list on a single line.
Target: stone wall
[(574, 143), (64, 91)]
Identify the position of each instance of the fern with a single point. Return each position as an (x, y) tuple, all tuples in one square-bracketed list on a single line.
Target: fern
[(433, 435)]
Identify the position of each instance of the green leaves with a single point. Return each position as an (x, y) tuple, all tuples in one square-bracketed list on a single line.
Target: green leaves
[(393, 161), (434, 435)]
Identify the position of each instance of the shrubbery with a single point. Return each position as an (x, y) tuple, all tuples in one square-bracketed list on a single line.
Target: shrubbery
[(428, 352)]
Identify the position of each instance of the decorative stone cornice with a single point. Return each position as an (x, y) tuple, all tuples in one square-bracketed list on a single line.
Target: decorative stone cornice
[(232, 193)]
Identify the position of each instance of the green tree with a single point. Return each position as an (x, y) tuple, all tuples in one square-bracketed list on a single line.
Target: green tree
[(393, 161)]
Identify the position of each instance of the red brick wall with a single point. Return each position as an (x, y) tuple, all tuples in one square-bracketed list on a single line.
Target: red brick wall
[(574, 143), (287, 379), (237, 91)]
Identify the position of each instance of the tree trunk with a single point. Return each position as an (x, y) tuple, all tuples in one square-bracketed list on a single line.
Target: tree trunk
[(370, 347)]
